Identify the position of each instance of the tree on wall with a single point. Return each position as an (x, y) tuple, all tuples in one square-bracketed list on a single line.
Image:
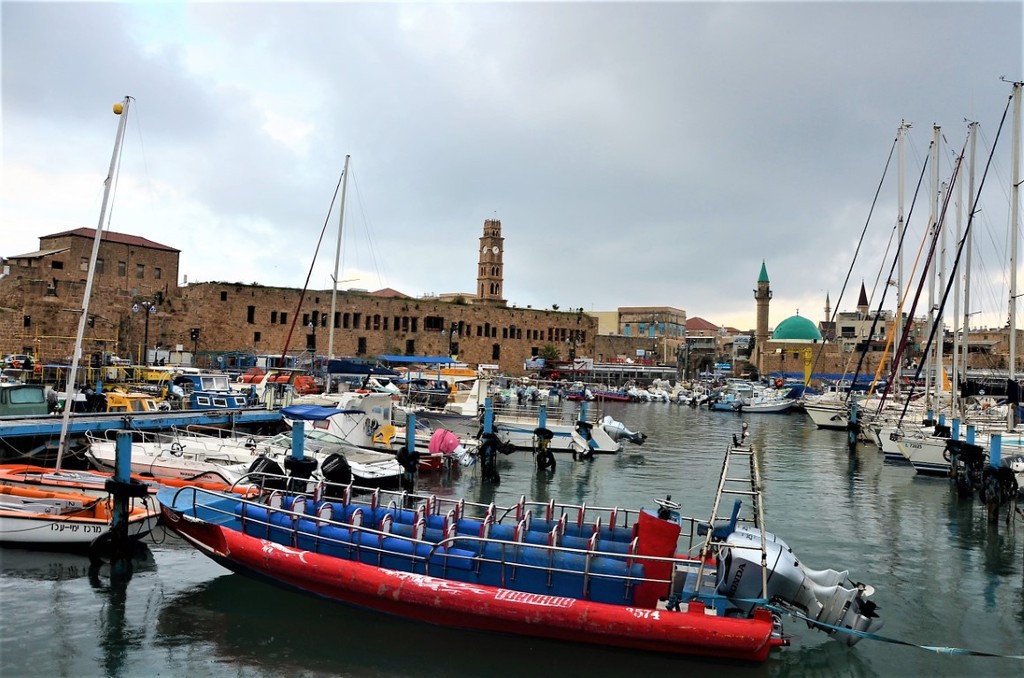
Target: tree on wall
[(549, 352)]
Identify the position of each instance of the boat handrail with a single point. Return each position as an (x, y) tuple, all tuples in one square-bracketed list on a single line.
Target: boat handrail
[(508, 564), (553, 511)]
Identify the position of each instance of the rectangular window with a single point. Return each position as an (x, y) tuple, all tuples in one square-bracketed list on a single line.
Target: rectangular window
[(284, 318), (140, 271), (415, 324), (250, 315), (122, 268), (433, 323), (344, 321), (305, 319), (57, 265), (158, 272), (361, 349), (410, 347), (26, 321), (99, 265), (337, 315), (496, 352), (273, 317), (356, 319), (83, 264), (255, 337)]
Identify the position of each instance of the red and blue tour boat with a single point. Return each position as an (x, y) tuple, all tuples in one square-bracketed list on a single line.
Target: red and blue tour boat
[(652, 581)]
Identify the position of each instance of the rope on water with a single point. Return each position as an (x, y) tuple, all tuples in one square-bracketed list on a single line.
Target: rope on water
[(952, 651)]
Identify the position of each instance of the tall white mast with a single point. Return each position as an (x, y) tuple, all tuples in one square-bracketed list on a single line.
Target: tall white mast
[(337, 262), (1014, 225), (901, 226), (928, 387), (968, 252), (120, 109)]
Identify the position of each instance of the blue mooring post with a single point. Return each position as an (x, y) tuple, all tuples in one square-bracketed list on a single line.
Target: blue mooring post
[(542, 417), (488, 416), (122, 474), (298, 468), (930, 417), (994, 498), (298, 439), (410, 433), (955, 432), (942, 420), (852, 427), (971, 431)]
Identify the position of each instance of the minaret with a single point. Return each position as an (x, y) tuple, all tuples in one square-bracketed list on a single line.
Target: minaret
[(763, 295), (490, 273), (862, 302), (828, 308)]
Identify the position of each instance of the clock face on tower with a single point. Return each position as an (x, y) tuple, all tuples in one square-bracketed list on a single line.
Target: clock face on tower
[(483, 250), (495, 249)]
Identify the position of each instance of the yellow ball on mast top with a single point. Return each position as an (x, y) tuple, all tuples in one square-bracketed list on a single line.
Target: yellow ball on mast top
[(118, 108)]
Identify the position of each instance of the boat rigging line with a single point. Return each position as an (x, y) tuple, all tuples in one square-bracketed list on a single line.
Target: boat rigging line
[(856, 252), (960, 247), (309, 273)]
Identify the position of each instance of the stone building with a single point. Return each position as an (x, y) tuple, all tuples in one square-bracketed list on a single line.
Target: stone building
[(40, 287), (40, 290), (259, 320)]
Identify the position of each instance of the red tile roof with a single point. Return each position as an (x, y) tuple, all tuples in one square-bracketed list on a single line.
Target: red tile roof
[(391, 293), (111, 236), (697, 324)]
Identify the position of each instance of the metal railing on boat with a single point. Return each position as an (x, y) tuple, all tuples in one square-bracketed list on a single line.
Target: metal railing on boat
[(443, 552)]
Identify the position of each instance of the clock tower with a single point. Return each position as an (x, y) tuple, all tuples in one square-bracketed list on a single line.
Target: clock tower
[(490, 272)]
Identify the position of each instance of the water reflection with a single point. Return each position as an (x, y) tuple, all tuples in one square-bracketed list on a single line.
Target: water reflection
[(251, 626), (943, 575)]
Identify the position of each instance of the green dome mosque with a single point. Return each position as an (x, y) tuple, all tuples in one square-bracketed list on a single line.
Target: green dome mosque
[(796, 328)]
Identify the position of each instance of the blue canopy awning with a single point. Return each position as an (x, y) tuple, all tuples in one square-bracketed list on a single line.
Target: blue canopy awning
[(421, 359), (313, 412)]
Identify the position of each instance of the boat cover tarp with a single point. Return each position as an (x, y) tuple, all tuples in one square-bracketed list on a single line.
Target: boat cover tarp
[(349, 366), (313, 412)]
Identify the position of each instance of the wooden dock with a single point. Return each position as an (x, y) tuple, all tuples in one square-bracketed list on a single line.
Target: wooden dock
[(40, 435)]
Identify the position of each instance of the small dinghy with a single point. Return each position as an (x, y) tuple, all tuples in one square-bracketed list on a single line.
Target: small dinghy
[(63, 520)]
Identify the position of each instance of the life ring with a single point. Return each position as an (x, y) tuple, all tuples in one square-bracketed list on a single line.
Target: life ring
[(370, 426), (779, 382), (176, 449)]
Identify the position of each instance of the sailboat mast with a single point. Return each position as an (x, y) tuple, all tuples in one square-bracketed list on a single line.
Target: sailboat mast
[(1014, 225), (929, 389), (969, 246), (337, 261), (121, 110), (901, 226)]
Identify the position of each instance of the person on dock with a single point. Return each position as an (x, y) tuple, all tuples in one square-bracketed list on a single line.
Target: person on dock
[(52, 403)]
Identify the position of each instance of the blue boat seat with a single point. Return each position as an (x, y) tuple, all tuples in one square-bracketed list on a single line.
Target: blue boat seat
[(722, 531)]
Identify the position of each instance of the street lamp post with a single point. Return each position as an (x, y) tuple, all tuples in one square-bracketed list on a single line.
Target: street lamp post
[(150, 309), (573, 342)]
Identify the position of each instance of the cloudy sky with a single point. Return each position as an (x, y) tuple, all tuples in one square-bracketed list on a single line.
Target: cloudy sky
[(636, 153)]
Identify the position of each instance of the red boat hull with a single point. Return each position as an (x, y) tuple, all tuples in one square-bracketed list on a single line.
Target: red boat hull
[(463, 605)]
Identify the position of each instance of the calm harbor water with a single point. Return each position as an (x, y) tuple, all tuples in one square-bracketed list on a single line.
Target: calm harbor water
[(944, 577)]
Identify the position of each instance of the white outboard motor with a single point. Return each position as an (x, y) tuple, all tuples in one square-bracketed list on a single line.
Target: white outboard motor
[(618, 431), (828, 598)]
